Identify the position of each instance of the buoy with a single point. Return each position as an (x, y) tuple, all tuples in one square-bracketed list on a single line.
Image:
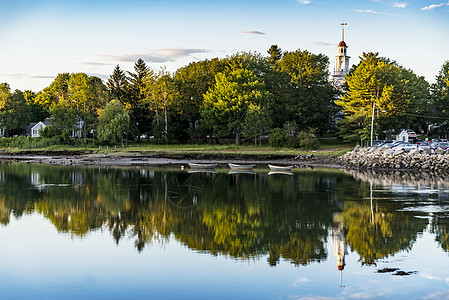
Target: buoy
[(182, 167)]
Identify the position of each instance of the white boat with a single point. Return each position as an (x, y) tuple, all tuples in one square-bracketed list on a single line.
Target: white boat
[(281, 172), (237, 171), (202, 166), (280, 168), (241, 167), (191, 171)]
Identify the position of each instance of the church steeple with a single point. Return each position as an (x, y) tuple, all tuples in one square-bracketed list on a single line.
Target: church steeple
[(341, 60)]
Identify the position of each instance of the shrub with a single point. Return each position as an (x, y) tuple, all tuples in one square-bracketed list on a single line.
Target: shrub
[(307, 139), (278, 138)]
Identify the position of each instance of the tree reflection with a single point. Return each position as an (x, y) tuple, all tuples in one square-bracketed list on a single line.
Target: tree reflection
[(378, 231), (243, 216)]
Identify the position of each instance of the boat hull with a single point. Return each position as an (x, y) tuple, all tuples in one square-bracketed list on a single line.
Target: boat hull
[(280, 168), (202, 166), (241, 167)]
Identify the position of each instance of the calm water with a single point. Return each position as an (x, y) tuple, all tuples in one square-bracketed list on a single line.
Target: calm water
[(116, 233)]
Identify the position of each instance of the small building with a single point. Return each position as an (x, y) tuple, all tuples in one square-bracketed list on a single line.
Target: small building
[(34, 129), (406, 136), (2, 132)]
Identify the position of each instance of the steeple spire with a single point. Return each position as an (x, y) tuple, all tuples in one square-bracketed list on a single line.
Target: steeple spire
[(341, 60), (343, 24)]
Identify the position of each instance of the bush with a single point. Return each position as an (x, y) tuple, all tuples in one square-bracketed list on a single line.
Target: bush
[(307, 139), (285, 137), (278, 138), (24, 142)]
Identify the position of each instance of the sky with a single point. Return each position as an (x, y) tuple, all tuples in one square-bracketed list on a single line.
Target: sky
[(41, 38)]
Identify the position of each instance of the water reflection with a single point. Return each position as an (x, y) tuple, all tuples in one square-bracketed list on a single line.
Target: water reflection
[(243, 216)]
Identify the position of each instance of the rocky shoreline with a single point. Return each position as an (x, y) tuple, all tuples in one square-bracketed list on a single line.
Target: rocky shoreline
[(387, 159), (373, 159), (160, 159)]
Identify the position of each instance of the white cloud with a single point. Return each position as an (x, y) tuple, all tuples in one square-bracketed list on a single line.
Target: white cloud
[(253, 32), (20, 76), (322, 44), (300, 281), (304, 2), (94, 64), (400, 5), (366, 11), (433, 6), (155, 56)]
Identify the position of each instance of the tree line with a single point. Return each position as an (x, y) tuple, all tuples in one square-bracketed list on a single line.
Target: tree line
[(286, 95)]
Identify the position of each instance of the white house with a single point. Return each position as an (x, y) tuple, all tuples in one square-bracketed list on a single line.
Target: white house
[(2, 132), (36, 127), (406, 136)]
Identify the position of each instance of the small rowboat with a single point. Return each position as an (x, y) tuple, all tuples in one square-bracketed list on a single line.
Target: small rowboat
[(280, 168), (280, 172), (212, 171), (236, 171), (202, 166), (241, 167)]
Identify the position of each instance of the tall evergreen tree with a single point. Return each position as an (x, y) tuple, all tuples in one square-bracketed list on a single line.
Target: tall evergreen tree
[(117, 84), (139, 111)]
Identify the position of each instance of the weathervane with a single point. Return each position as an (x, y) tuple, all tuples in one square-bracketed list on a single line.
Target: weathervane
[(343, 30)]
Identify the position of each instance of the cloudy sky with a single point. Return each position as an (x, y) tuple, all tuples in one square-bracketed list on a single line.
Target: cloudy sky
[(41, 38)]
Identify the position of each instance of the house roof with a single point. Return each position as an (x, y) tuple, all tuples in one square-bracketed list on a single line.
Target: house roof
[(31, 125)]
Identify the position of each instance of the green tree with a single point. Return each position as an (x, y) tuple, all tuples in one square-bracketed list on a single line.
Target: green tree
[(440, 99), (378, 83), (136, 105), (308, 99), (63, 121), (56, 94), (257, 122), (36, 111), (226, 103), (113, 123), (5, 92), (192, 82), (275, 54), (14, 115), (117, 85)]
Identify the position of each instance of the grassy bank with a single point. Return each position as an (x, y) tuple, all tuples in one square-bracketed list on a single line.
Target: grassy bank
[(328, 148)]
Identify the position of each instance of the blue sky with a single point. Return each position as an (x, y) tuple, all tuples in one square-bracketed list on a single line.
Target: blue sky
[(40, 39)]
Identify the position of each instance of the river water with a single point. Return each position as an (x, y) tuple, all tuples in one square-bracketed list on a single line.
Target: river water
[(165, 233)]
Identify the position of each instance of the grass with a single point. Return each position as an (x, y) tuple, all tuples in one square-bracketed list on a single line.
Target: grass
[(329, 147)]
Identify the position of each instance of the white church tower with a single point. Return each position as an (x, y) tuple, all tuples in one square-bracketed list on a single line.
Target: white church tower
[(341, 61)]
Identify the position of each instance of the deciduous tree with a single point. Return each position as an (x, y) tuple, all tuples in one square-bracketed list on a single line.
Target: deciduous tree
[(113, 123), (226, 103)]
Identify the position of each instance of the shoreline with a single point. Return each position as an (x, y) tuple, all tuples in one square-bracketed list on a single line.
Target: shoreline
[(161, 159)]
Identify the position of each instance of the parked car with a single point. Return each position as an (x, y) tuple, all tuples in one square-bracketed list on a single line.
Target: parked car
[(444, 141), (405, 146), (384, 143), (443, 146), (424, 146), (396, 143), (434, 145)]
